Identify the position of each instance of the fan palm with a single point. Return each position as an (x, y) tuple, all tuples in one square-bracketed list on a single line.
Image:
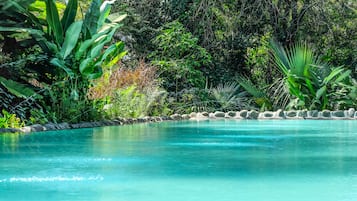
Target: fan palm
[(311, 81)]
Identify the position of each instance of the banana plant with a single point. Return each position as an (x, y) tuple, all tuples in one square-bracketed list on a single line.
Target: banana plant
[(79, 46)]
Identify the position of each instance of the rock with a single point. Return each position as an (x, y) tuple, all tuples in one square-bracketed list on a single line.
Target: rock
[(302, 113), (159, 119), (62, 126), (350, 112), (338, 114), (26, 129), (211, 115), (266, 115), (243, 114), (325, 114), (313, 114), (291, 114), (193, 115), (355, 116), (185, 116), (50, 126), (205, 114), (37, 128), (15, 130), (230, 114), (219, 114), (252, 114), (202, 116), (164, 118), (279, 114), (117, 122), (176, 117)]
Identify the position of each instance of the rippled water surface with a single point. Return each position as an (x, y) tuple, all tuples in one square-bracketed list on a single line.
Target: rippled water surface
[(172, 161)]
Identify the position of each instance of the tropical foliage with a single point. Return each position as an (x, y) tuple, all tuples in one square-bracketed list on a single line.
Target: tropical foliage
[(66, 60), (69, 52)]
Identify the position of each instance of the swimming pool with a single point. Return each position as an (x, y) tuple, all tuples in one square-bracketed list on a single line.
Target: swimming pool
[(221, 160)]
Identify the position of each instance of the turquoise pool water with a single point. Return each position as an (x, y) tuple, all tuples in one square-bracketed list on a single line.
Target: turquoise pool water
[(184, 161)]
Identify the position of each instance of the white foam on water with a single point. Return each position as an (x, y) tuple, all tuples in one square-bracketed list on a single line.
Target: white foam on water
[(51, 179)]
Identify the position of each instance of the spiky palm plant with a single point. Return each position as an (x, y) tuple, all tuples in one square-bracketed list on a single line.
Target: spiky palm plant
[(311, 81)]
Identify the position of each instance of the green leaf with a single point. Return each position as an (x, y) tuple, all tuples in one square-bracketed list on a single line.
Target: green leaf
[(104, 13), (333, 74), (343, 76), (96, 50), (54, 21), (91, 19), (85, 68), (69, 14), (71, 39), (83, 48), (321, 92), (18, 89), (60, 64)]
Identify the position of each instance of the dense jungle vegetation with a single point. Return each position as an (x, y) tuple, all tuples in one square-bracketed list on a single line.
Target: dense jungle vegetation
[(74, 61)]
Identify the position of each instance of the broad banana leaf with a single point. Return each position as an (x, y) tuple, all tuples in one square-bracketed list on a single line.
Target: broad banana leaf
[(60, 64), (90, 24), (69, 14), (18, 89), (54, 21), (71, 38)]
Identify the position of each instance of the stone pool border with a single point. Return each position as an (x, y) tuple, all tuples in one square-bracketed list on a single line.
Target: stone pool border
[(350, 114)]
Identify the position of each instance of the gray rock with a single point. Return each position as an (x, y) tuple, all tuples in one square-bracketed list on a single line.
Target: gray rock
[(62, 126), (193, 115), (243, 114), (219, 114), (302, 113), (13, 130), (266, 115), (176, 117), (203, 115), (26, 129), (165, 118), (279, 114), (312, 114), (37, 128), (252, 114), (211, 115), (159, 119), (350, 112), (232, 113), (338, 114), (50, 126), (291, 114), (325, 114), (185, 116)]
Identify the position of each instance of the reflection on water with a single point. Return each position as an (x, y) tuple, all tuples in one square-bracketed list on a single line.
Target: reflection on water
[(223, 160)]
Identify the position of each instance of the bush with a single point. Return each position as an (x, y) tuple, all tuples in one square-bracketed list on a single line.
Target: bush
[(182, 62), (127, 92), (8, 120)]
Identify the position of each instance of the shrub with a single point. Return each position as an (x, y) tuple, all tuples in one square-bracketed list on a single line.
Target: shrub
[(8, 120)]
